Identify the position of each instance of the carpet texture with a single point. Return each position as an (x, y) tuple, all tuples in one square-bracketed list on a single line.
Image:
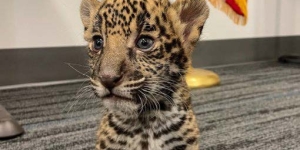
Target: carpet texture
[(257, 107)]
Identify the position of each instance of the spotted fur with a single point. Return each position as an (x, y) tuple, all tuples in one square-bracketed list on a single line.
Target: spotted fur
[(151, 107)]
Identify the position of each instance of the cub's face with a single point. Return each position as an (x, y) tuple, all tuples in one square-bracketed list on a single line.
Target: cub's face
[(139, 50)]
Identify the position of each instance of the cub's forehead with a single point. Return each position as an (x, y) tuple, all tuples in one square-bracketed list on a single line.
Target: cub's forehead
[(171, 1), (137, 3), (132, 3), (126, 16), (123, 7), (128, 10)]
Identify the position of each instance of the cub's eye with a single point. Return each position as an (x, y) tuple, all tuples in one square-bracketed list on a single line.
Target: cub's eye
[(145, 43), (98, 43)]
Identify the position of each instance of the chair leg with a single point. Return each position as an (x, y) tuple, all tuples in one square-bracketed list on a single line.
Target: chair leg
[(9, 127), (289, 59)]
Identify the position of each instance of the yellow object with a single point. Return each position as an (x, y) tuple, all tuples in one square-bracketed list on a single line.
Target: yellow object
[(235, 9), (200, 78)]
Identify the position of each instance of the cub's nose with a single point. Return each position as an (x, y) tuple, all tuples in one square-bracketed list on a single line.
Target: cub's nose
[(110, 81)]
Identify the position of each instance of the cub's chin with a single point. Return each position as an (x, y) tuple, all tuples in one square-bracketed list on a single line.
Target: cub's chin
[(120, 104)]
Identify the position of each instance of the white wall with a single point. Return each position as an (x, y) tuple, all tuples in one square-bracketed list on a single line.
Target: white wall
[(289, 17), (40, 23), (52, 23), (6, 24)]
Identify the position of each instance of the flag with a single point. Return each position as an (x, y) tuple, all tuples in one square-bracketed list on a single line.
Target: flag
[(235, 9)]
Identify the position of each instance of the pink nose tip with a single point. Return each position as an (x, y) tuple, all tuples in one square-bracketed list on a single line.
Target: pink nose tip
[(110, 81)]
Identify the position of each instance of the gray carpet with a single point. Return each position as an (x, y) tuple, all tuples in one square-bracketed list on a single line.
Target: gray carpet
[(257, 107)]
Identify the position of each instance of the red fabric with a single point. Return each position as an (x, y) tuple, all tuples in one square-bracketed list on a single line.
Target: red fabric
[(235, 6)]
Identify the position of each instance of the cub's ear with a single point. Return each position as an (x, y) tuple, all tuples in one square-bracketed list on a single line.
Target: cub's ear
[(188, 17), (88, 9)]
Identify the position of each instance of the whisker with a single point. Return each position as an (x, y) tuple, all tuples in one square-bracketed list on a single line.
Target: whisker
[(78, 70), (170, 99), (175, 94), (141, 104), (83, 66), (155, 101), (80, 94), (163, 95)]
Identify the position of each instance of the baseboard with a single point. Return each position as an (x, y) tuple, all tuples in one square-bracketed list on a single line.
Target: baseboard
[(19, 66), (32, 65)]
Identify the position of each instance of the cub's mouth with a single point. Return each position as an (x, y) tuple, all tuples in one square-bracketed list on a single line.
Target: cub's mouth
[(123, 92), (115, 97)]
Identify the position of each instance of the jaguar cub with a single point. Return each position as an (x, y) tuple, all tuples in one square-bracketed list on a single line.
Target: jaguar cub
[(139, 54)]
